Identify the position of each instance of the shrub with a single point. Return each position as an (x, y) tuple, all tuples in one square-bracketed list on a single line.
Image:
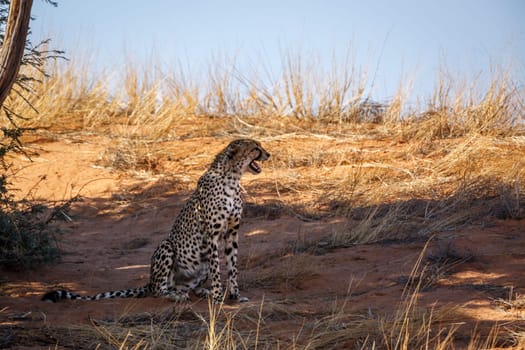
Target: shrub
[(26, 236)]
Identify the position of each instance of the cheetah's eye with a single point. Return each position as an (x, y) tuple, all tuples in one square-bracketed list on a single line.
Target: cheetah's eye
[(260, 154)]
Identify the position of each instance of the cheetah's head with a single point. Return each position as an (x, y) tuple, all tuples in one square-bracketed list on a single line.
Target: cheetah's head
[(248, 152)]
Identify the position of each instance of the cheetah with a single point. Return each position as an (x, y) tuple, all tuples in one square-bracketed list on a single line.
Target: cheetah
[(185, 259)]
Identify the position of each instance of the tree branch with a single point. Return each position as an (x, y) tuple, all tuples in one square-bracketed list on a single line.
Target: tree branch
[(13, 47)]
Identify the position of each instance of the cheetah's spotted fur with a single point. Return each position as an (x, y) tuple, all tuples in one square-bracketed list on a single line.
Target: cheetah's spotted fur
[(183, 261)]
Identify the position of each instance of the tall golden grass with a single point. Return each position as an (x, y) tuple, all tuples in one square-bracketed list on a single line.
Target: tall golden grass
[(147, 102)]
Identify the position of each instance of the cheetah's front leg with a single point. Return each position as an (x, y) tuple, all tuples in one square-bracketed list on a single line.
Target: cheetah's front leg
[(216, 286), (231, 260)]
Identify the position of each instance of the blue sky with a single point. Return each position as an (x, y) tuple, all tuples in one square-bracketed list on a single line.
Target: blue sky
[(392, 40)]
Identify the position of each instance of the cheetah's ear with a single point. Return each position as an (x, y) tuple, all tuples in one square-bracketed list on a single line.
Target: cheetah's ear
[(232, 150)]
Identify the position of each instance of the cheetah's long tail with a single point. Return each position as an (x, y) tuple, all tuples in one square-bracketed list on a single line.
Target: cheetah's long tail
[(55, 296)]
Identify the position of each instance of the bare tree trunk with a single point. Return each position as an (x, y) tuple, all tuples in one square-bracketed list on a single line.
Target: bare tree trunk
[(13, 47)]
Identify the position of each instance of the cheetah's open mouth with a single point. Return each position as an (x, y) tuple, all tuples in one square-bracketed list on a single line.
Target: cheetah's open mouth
[(254, 167)]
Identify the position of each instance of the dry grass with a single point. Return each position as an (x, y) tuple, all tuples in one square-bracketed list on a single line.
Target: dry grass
[(154, 104), (132, 155), (291, 273), (514, 303), (464, 181)]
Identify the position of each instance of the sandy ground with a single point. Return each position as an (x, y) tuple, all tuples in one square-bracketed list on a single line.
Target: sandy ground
[(120, 219)]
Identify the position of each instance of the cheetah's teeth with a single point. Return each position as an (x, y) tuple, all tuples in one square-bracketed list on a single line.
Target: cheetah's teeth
[(255, 167)]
